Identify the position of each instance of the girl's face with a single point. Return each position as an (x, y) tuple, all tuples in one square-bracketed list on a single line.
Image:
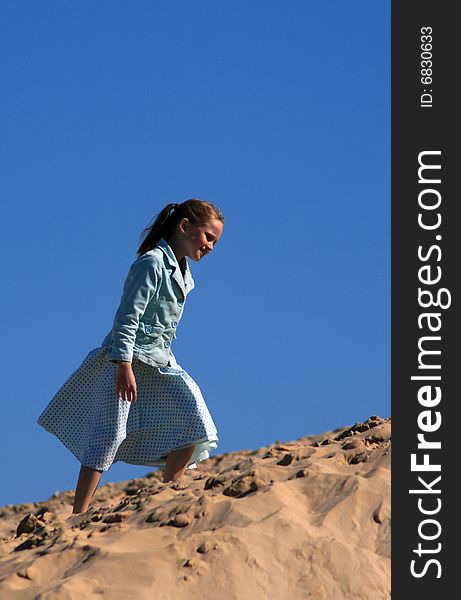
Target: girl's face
[(199, 240)]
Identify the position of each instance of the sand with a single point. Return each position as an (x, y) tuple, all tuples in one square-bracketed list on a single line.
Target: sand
[(305, 519)]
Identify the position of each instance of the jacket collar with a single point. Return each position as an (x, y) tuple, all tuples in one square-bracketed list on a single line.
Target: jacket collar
[(186, 282)]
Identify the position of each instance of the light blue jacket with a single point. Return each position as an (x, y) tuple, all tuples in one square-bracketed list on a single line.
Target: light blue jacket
[(150, 308)]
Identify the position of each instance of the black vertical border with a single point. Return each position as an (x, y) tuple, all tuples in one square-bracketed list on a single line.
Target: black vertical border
[(416, 129)]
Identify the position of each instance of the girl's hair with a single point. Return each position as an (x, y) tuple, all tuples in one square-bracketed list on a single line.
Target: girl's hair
[(196, 210)]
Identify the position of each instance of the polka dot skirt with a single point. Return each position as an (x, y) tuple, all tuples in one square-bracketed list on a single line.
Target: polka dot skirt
[(99, 428)]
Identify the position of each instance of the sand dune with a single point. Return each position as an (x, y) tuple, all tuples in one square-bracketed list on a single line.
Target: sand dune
[(306, 519)]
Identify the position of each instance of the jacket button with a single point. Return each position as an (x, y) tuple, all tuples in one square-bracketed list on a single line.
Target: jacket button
[(174, 323), (180, 302), (148, 328), (167, 343)]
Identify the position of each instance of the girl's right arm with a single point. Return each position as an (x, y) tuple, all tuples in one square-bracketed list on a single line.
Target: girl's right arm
[(140, 286), (126, 383)]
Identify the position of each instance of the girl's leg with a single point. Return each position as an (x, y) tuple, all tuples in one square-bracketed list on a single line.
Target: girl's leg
[(176, 463), (86, 487)]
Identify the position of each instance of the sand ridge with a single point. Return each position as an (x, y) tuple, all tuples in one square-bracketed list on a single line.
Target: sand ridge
[(304, 519)]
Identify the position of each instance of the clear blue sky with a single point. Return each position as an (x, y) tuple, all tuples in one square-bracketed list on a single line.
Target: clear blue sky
[(279, 112)]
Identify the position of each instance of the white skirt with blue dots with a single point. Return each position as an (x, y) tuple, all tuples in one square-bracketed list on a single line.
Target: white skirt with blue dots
[(99, 428)]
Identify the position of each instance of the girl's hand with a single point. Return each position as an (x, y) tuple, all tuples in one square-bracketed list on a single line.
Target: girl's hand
[(126, 382)]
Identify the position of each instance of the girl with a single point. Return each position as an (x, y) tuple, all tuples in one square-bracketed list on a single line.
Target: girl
[(130, 400)]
